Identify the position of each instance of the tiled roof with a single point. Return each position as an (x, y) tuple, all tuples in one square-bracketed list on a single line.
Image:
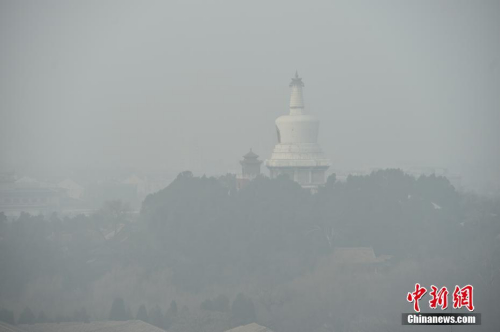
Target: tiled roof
[(4, 327), (254, 327), (251, 155), (104, 326)]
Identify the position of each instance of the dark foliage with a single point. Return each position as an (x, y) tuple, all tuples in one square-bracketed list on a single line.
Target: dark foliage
[(220, 303), (242, 310), (27, 317), (42, 318), (156, 317), (142, 314), (173, 310), (7, 316), (268, 234), (118, 310), (82, 316)]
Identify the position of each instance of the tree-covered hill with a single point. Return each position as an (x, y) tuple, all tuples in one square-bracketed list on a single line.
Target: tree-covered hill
[(200, 239)]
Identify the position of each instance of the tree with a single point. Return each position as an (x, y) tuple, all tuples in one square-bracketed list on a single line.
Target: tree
[(156, 317), (330, 181), (142, 314), (118, 310), (220, 303), (7, 316), (27, 317), (173, 308), (207, 305), (42, 318), (3, 220), (242, 310), (114, 212), (81, 316)]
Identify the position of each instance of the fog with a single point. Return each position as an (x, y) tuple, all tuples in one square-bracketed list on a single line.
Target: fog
[(192, 85), (160, 172)]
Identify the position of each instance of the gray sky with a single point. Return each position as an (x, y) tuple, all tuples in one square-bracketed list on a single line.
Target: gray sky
[(183, 84)]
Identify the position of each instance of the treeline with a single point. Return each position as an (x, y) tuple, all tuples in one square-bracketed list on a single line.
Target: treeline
[(241, 311), (274, 231), (271, 240), (28, 317)]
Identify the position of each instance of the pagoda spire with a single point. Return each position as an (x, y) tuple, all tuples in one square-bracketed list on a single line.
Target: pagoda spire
[(296, 97), (297, 154)]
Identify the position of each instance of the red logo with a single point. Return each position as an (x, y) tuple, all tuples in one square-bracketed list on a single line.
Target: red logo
[(416, 296), (439, 298), (462, 297)]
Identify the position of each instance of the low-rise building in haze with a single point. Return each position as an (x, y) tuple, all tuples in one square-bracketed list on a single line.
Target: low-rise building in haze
[(27, 195)]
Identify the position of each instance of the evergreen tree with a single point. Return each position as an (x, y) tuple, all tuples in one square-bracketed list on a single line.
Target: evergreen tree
[(242, 310), (85, 316), (81, 316), (42, 318), (3, 221), (7, 316), (156, 317), (142, 314), (221, 303), (173, 308), (27, 317), (118, 310), (170, 315), (207, 305)]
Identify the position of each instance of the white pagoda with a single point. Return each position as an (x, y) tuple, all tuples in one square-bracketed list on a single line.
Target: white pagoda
[(298, 154)]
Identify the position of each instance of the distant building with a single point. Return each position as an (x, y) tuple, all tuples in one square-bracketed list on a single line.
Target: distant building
[(298, 154), (250, 169), (139, 184), (361, 259), (72, 189), (357, 255), (27, 195), (250, 165)]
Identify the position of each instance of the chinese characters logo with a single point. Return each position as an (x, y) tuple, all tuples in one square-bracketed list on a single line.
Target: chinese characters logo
[(462, 297)]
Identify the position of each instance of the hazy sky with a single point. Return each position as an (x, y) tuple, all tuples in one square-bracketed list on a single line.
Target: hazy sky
[(183, 84)]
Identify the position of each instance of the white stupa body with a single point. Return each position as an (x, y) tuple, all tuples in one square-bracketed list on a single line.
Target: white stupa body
[(298, 154)]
